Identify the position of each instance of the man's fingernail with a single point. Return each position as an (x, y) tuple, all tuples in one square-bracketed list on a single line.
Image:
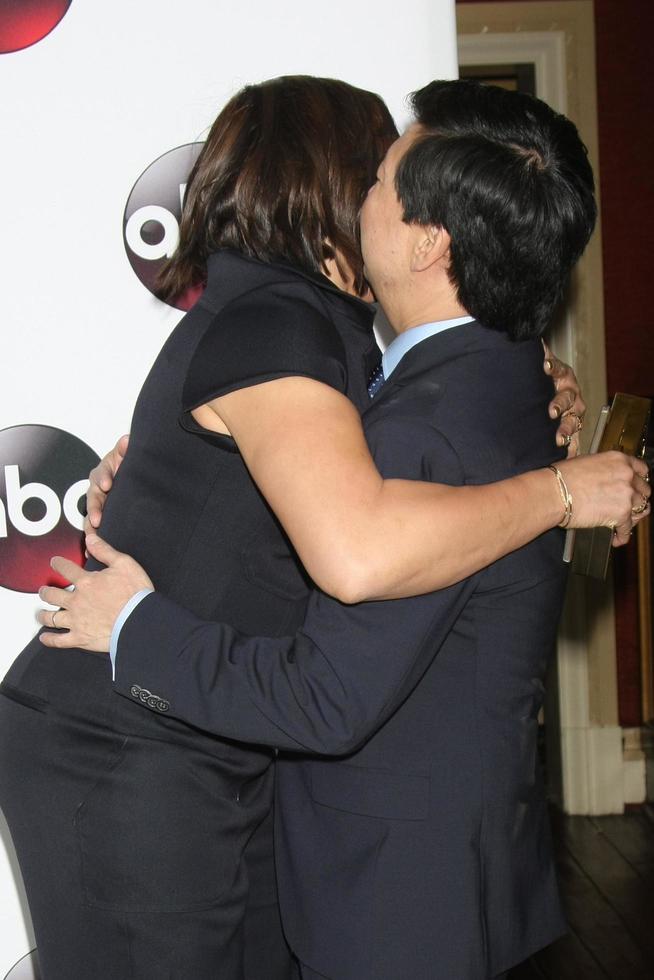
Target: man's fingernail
[(548, 364), (556, 411)]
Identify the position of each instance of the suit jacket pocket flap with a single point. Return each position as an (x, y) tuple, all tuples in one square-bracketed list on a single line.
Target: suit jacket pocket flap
[(370, 792)]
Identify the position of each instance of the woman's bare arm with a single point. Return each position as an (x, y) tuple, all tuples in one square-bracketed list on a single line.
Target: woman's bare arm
[(362, 537)]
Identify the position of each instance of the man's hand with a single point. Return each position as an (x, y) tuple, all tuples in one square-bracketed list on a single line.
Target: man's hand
[(567, 404), (90, 610), (101, 480)]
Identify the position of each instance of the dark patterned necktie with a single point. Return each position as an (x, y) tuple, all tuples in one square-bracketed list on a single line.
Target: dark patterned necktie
[(376, 380)]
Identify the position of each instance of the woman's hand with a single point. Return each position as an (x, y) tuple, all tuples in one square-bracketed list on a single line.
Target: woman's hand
[(101, 481), (608, 490), (567, 404)]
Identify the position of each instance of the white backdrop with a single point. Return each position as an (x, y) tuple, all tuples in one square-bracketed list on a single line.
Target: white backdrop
[(82, 113)]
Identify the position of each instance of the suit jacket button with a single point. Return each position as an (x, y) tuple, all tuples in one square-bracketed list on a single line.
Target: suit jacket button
[(163, 705), (135, 690)]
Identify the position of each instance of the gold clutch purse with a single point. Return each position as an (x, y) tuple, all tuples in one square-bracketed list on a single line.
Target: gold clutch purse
[(623, 426)]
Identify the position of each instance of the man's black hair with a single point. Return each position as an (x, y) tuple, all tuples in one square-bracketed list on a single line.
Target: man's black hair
[(509, 180)]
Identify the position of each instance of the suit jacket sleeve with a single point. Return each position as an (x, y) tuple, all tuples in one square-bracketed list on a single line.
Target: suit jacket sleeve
[(324, 690)]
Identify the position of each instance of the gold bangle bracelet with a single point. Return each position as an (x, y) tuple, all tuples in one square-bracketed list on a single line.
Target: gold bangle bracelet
[(566, 496)]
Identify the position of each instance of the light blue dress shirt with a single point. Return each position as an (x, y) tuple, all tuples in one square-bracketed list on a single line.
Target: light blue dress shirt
[(390, 360), (405, 341), (123, 616)]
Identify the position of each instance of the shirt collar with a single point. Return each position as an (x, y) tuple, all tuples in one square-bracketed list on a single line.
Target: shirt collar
[(405, 341)]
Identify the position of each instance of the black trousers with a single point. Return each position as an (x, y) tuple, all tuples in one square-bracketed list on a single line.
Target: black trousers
[(131, 845)]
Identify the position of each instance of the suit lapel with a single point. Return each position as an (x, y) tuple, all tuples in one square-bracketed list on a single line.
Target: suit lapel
[(426, 357)]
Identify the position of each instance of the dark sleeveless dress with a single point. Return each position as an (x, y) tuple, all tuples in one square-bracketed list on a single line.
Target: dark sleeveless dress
[(145, 844)]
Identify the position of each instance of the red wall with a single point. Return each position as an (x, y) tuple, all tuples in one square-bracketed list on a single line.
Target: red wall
[(625, 82)]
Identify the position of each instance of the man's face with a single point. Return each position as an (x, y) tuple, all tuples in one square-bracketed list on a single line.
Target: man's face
[(385, 238)]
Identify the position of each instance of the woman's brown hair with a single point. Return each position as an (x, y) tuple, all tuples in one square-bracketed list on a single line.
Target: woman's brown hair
[(281, 177)]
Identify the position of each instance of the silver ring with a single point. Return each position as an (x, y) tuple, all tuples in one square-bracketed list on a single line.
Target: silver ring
[(54, 625)]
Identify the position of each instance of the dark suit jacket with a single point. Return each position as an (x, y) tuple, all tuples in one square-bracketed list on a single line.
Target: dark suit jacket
[(418, 848)]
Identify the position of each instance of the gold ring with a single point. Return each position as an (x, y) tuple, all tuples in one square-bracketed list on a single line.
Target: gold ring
[(579, 423), (639, 510), (54, 625)]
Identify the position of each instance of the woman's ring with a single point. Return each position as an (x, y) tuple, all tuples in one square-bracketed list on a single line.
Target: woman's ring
[(639, 510), (54, 625), (579, 422)]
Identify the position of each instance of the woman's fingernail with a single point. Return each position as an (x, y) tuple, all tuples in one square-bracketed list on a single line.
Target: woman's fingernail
[(548, 364)]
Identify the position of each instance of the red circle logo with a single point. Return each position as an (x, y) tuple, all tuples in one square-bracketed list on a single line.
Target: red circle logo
[(43, 482), (25, 22), (152, 215)]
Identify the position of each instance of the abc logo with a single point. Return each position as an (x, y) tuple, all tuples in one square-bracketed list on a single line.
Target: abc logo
[(43, 480), (25, 22), (152, 215)]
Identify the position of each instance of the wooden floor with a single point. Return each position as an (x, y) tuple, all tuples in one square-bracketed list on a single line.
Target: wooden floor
[(606, 872)]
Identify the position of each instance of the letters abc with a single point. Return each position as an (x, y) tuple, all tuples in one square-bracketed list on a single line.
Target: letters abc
[(43, 480)]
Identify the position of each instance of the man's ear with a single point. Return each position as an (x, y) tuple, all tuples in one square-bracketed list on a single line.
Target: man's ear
[(431, 246)]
